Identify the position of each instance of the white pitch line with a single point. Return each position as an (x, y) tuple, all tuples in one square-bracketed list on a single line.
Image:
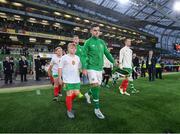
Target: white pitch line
[(24, 89)]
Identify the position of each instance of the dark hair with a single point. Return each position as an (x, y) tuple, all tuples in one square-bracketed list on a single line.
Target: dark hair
[(94, 25), (11, 58)]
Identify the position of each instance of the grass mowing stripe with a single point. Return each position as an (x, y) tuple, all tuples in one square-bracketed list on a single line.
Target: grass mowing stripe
[(24, 89), (155, 109)]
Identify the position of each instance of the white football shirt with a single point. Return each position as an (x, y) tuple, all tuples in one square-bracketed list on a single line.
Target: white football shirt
[(70, 68), (55, 61), (125, 57)]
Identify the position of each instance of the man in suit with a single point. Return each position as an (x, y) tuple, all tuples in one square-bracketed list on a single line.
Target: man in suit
[(8, 70), (38, 67), (150, 64), (143, 67), (23, 66), (136, 65)]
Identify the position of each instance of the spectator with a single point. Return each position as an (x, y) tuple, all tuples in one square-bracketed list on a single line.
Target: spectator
[(150, 64), (23, 65), (135, 61), (38, 67), (143, 67), (8, 70)]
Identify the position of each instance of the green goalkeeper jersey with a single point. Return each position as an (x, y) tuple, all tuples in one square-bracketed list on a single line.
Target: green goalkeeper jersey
[(94, 51)]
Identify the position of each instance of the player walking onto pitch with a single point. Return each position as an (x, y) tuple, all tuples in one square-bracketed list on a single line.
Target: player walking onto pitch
[(94, 50), (125, 63), (69, 71), (79, 52), (53, 72)]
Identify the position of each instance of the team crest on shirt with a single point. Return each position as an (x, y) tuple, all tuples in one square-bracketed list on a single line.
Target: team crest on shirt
[(73, 62)]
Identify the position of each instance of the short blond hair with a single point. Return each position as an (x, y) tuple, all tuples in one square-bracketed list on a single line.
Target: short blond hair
[(71, 44), (57, 48)]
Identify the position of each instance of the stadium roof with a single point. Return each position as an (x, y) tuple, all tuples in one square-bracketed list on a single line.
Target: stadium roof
[(156, 17)]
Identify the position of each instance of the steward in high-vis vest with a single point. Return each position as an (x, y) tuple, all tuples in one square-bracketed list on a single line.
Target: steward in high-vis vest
[(143, 69), (159, 69)]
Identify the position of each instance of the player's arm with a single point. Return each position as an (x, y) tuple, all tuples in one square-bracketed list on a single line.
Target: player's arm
[(50, 68), (80, 64), (108, 54), (82, 56), (60, 71), (60, 75), (85, 58), (121, 58)]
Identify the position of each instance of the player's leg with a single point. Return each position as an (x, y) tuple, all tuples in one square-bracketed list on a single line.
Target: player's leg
[(80, 95), (93, 81), (56, 87), (69, 100), (60, 90), (51, 80), (72, 90), (123, 86), (133, 89), (95, 78), (76, 91)]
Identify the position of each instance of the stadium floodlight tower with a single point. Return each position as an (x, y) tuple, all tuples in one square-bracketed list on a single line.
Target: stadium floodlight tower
[(176, 6), (123, 1)]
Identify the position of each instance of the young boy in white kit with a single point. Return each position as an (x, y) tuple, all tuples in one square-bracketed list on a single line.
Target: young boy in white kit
[(69, 72)]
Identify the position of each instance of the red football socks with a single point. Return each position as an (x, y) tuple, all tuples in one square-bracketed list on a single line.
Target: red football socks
[(124, 85)]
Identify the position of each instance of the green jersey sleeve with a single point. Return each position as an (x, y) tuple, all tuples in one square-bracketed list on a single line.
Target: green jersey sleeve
[(84, 55), (108, 54)]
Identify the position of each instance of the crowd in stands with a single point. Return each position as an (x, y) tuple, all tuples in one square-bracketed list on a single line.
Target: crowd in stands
[(24, 50), (39, 28), (22, 66)]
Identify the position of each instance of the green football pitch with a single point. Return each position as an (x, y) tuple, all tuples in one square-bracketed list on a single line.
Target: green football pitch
[(156, 108)]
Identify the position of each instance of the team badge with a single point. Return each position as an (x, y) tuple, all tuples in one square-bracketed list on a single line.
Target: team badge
[(73, 62)]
